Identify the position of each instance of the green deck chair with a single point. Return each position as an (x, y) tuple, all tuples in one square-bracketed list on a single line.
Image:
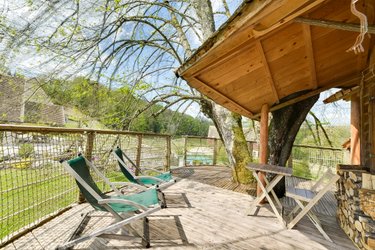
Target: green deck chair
[(124, 208), (161, 181)]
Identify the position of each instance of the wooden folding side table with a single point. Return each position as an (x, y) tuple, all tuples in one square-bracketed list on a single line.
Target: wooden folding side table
[(279, 173)]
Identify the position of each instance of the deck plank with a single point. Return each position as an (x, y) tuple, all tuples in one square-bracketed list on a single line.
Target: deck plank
[(199, 216)]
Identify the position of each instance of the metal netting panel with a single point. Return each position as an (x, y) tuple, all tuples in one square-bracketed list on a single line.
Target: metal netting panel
[(177, 152), (33, 183), (312, 162), (106, 163), (35, 186), (200, 151), (154, 152), (221, 155)]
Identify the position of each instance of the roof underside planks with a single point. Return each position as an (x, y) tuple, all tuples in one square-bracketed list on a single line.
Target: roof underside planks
[(262, 55)]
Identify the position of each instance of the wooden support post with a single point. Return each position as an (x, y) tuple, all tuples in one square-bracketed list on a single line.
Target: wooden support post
[(168, 154), (290, 160), (214, 161), (138, 157), (185, 150), (250, 146), (354, 131), (90, 138), (263, 144), (372, 130)]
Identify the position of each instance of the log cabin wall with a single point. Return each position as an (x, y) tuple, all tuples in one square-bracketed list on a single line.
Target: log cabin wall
[(356, 186), (367, 99)]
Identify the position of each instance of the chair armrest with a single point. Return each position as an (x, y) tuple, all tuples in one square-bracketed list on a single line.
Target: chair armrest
[(130, 184), (152, 169), (123, 201), (150, 178)]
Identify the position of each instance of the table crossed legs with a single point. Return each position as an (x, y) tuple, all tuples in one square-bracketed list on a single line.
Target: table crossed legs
[(265, 194)]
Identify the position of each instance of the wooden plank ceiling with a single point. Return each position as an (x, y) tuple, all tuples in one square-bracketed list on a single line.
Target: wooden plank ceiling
[(264, 55)]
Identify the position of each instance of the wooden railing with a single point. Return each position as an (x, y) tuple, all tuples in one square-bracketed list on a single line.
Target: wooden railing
[(33, 185)]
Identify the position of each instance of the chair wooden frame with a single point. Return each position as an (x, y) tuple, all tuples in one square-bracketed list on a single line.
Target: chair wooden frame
[(306, 199)]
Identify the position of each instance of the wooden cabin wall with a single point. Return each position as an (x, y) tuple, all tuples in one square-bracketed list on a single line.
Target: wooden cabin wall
[(368, 122)]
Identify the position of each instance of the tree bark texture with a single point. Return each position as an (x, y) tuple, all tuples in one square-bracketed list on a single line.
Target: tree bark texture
[(284, 127), (228, 124)]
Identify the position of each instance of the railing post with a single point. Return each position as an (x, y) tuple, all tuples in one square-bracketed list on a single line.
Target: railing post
[(250, 146), (90, 138), (215, 152), (185, 150), (290, 160), (138, 157), (168, 154)]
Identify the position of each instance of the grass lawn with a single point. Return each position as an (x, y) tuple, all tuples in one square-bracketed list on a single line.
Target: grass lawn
[(30, 194)]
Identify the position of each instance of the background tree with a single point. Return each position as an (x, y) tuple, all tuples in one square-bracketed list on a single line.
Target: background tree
[(143, 42)]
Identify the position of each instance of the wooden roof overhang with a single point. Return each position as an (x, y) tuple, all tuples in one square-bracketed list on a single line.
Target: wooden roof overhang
[(269, 50)]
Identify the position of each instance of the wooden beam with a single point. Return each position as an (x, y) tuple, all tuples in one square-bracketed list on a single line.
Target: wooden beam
[(283, 21), (238, 106), (310, 54), (267, 69), (312, 93), (263, 144), (354, 27), (355, 155), (342, 94)]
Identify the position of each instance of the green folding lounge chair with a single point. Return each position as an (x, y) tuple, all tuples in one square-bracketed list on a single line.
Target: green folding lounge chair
[(162, 180), (124, 208)]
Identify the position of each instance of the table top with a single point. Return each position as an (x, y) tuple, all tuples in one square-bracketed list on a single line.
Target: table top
[(270, 169)]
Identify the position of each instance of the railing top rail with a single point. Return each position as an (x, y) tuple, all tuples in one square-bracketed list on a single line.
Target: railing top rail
[(208, 138), (40, 129), (317, 147)]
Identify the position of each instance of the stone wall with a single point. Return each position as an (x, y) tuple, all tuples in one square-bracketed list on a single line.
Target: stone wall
[(11, 99), (25, 101), (44, 113), (355, 205)]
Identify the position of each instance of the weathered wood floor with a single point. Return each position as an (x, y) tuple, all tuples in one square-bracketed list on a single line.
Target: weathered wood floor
[(221, 177), (199, 216)]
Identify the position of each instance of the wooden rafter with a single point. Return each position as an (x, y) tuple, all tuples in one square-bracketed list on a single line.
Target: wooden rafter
[(312, 93), (334, 24), (267, 69), (243, 110), (342, 94), (310, 54)]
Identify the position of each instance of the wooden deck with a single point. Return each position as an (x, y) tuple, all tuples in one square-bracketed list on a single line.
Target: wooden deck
[(199, 216)]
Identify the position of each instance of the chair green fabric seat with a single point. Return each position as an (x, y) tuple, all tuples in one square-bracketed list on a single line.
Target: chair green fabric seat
[(145, 198), (165, 177)]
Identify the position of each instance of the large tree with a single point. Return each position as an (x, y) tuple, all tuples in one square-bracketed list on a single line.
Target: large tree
[(142, 41)]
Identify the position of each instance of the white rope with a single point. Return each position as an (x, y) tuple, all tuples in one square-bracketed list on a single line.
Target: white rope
[(357, 47)]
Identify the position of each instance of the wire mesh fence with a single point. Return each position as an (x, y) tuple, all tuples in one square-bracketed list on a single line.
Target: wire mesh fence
[(311, 162), (33, 184), (198, 151)]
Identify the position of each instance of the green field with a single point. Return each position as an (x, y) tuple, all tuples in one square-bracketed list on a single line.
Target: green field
[(27, 195)]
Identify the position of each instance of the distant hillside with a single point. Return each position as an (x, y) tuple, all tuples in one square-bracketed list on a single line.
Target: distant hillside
[(337, 135), (116, 108)]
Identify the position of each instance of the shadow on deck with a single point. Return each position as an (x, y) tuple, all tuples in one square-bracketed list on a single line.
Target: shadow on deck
[(202, 214)]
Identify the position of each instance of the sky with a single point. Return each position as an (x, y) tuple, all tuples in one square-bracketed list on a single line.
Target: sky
[(29, 61)]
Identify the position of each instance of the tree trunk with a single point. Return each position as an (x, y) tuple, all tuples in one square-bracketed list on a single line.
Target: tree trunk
[(228, 124), (284, 127)]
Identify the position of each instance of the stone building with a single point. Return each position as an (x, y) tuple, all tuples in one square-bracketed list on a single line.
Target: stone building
[(24, 101)]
